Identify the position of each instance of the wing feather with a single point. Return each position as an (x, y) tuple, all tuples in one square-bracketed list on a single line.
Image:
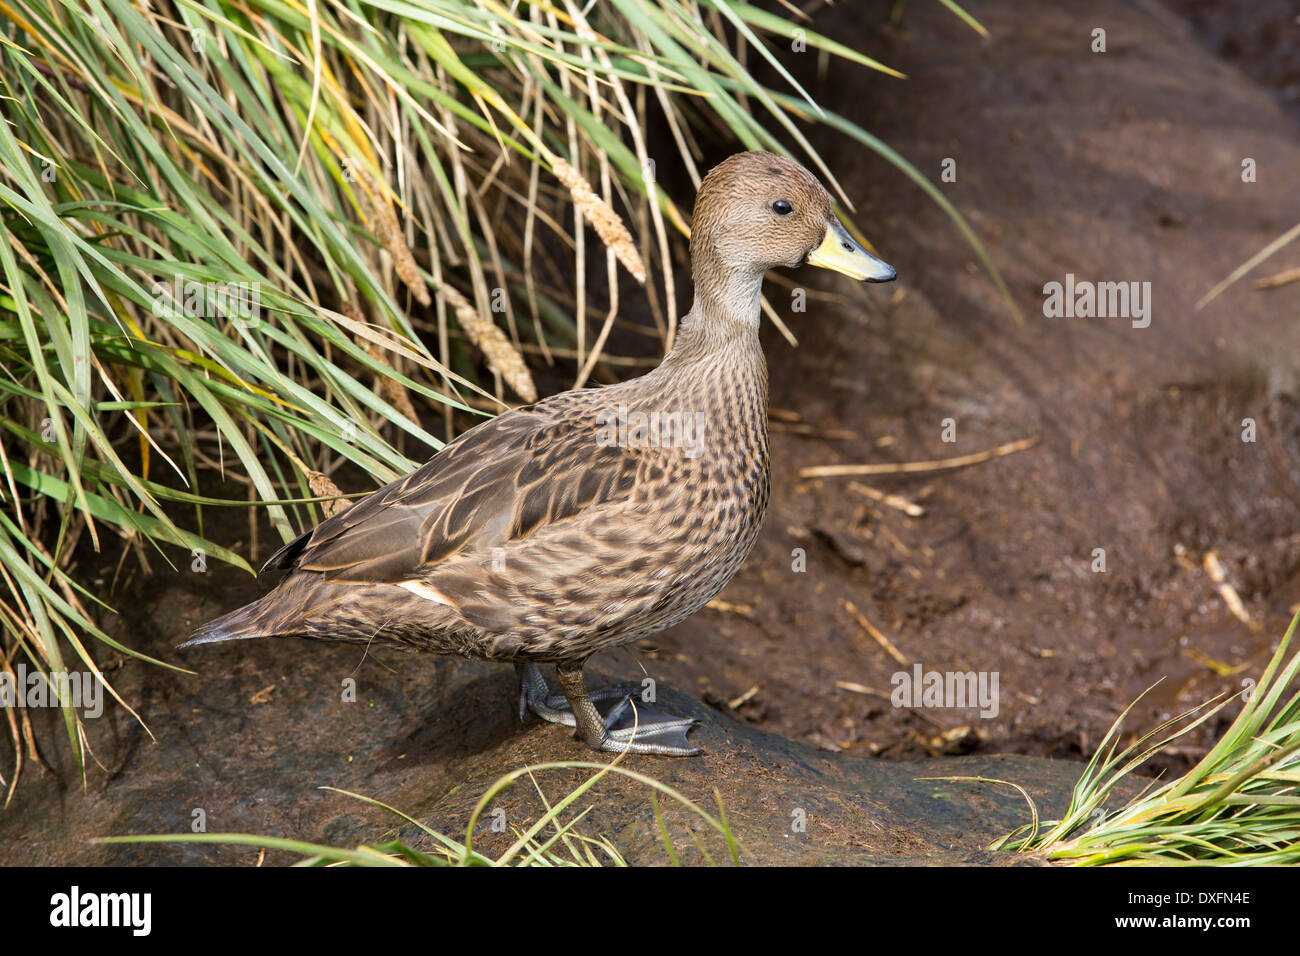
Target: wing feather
[(495, 486)]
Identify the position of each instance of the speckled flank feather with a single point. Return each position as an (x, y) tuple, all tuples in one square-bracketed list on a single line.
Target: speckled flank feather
[(531, 538)]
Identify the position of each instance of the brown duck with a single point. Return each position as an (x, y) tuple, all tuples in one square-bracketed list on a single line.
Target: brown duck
[(594, 517)]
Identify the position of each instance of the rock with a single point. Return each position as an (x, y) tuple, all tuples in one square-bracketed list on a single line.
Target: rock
[(429, 736)]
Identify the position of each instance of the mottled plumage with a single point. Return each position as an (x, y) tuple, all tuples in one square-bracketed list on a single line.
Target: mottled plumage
[(591, 518)]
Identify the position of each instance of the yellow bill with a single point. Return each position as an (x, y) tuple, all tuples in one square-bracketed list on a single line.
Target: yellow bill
[(840, 253)]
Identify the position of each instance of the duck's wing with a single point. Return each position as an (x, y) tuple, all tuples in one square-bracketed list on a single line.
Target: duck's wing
[(524, 535), (496, 486)]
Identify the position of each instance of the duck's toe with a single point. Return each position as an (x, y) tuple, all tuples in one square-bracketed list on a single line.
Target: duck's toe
[(634, 727), (536, 697)]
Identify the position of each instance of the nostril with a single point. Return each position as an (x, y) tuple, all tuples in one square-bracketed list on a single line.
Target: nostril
[(848, 246)]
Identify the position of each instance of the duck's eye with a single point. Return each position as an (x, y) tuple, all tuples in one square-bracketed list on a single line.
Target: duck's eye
[(782, 208)]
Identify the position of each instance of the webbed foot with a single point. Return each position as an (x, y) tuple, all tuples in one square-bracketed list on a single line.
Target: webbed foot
[(630, 726)]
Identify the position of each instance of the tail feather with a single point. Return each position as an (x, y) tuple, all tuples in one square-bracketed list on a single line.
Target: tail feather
[(242, 624), (309, 606)]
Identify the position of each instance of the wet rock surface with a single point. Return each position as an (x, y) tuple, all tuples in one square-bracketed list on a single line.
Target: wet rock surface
[(251, 742)]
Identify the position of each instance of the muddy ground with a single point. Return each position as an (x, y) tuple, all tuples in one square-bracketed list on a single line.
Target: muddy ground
[(1122, 166), (1117, 166)]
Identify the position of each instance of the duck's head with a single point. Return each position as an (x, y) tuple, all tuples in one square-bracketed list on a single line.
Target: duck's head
[(758, 210)]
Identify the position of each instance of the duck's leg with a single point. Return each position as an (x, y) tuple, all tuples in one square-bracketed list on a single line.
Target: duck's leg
[(534, 695), (629, 726), (649, 732)]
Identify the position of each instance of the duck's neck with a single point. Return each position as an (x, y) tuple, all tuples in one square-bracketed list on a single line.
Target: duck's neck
[(717, 358), (724, 316)]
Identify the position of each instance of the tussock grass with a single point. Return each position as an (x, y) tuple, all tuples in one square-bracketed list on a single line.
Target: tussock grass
[(1239, 806)]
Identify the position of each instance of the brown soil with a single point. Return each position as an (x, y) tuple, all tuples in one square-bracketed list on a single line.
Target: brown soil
[(1116, 166)]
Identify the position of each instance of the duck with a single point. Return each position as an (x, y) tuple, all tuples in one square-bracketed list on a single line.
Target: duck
[(594, 517)]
